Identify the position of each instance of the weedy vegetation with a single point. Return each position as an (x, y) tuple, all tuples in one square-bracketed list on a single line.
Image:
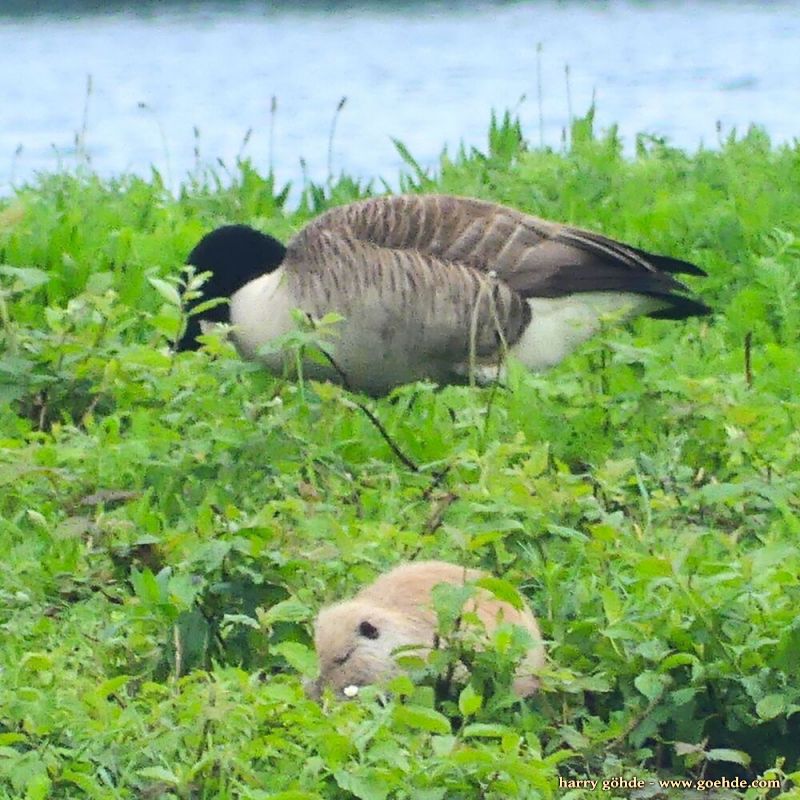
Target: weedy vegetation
[(171, 523)]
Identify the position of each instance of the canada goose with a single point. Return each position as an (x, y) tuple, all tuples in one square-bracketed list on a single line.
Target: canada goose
[(355, 639), (432, 287)]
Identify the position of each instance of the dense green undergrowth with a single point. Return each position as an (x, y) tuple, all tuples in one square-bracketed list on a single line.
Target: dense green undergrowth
[(171, 523)]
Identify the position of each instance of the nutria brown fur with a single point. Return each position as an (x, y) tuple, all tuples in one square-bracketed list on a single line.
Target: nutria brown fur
[(355, 639)]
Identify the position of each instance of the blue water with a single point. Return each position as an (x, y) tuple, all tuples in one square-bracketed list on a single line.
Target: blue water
[(426, 73)]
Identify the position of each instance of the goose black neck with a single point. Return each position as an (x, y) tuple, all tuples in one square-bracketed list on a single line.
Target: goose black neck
[(234, 255)]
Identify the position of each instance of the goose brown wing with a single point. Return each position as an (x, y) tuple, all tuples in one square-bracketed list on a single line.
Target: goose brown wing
[(441, 309), (532, 256)]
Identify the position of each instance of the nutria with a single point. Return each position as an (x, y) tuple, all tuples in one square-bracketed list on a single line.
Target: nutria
[(355, 639)]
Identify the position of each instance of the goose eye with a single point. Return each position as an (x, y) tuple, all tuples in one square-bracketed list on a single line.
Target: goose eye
[(368, 630)]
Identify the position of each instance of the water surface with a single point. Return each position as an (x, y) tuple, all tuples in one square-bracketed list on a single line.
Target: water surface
[(426, 73)]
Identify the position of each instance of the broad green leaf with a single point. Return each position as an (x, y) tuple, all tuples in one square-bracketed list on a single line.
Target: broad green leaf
[(112, 685), (241, 619), (502, 590), (38, 788), (25, 278), (421, 718), (448, 601), (146, 586), (469, 701), (36, 662), (485, 731), (443, 745), (724, 754), (168, 291), (82, 781), (771, 706), (291, 610), (612, 606), (651, 684), (160, 774), (364, 787), (302, 658)]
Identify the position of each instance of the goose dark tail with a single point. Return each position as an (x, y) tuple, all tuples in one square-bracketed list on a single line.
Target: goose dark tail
[(680, 307)]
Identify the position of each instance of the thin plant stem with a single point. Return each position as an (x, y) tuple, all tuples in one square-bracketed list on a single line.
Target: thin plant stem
[(336, 113), (539, 94)]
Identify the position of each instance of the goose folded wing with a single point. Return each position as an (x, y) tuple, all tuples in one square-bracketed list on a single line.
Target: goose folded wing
[(535, 257)]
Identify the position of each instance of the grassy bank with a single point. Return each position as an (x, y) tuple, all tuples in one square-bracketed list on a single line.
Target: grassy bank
[(170, 524)]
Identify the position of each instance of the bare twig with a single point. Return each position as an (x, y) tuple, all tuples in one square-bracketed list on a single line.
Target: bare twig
[(90, 409), (748, 356), (440, 506), (436, 479), (395, 448), (406, 460), (633, 724), (103, 496), (176, 639)]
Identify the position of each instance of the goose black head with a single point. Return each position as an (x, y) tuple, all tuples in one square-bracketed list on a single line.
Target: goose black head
[(234, 255)]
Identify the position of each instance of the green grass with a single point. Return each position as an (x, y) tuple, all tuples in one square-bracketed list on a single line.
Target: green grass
[(170, 524)]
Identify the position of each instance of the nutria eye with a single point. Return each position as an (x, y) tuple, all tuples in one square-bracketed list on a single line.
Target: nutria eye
[(368, 630)]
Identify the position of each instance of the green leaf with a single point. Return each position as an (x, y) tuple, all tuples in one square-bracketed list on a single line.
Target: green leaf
[(112, 685), (771, 706), (443, 745), (723, 754), (25, 278), (448, 601), (82, 781), (401, 684), (241, 619), (168, 291), (365, 787), (36, 662), (612, 606), (12, 738), (300, 657), (160, 774), (484, 731), (207, 305), (38, 788), (651, 684), (682, 696), (502, 590), (469, 701), (421, 718), (146, 586), (677, 660), (291, 610)]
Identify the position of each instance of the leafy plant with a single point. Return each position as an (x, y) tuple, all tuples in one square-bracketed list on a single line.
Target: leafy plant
[(170, 523)]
